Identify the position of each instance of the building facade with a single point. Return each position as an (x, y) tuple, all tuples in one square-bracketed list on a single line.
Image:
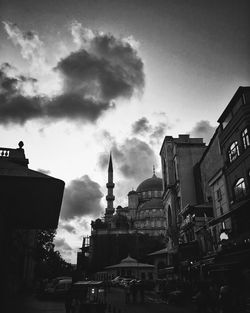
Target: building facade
[(178, 157), (30, 201), (136, 229)]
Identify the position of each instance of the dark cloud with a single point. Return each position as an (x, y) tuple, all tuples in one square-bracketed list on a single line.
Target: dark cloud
[(141, 126), (81, 198), (15, 107), (204, 130), (75, 107), (93, 77), (62, 245), (134, 159), (155, 132), (159, 131)]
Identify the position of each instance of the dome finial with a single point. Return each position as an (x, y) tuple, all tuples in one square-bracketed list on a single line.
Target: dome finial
[(153, 171)]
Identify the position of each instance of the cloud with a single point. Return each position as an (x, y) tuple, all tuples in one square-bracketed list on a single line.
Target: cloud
[(62, 245), (155, 132), (104, 67), (68, 227), (141, 126), (133, 158), (81, 198), (32, 48), (102, 70), (204, 130), (158, 131)]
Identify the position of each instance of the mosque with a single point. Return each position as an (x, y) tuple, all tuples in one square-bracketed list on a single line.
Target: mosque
[(144, 212), (136, 230)]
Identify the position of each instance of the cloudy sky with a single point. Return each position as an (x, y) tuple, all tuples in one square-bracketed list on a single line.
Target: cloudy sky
[(79, 78)]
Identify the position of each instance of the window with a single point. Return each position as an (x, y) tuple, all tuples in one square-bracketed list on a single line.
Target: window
[(240, 189), (233, 151), (218, 193), (221, 211), (245, 138)]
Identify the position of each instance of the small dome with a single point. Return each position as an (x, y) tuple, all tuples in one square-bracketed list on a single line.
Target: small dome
[(151, 184), (154, 203), (132, 192)]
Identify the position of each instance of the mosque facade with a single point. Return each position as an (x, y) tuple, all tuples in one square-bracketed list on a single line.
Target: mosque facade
[(144, 213), (136, 229)]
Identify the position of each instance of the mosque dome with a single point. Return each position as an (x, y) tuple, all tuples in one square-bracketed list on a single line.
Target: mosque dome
[(154, 203), (151, 184)]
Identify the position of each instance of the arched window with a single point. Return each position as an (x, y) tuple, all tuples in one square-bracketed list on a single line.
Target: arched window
[(239, 189), (233, 151), (169, 216), (245, 138)]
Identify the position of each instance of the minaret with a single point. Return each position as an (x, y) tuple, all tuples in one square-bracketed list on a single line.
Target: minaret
[(110, 197), (154, 171)]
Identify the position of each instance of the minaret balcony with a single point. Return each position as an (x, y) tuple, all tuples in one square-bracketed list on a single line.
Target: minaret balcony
[(110, 185), (110, 198)]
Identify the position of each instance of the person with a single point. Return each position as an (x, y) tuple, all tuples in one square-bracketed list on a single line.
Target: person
[(141, 290), (127, 294), (226, 299), (68, 302), (201, 298), (133, 290)]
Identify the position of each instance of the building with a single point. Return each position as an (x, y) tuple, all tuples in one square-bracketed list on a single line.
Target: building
[(233, 256), (30, 200), (211, 187), (130, 267), (178, 157), (235, 148), (136, 229)]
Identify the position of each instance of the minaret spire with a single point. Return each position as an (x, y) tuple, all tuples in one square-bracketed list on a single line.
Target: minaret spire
[(110, 197), (154, 171)]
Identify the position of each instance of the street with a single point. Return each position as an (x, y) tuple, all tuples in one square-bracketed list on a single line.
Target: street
[(116, 299), (115, 304)]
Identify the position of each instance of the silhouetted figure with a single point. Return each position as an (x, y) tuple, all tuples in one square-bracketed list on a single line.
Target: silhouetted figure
[(133, 289), (142, 291), (127, 294), (68, 302), (202, 298), (226, 300)]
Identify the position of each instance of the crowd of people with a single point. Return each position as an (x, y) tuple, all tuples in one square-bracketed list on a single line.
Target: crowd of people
[(134, 292), (207, 296)]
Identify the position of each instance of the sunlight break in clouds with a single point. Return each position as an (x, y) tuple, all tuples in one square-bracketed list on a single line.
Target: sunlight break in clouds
[(32, 48), (101, 71)]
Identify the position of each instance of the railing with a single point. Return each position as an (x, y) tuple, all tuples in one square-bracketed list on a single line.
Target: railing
[(12, 153), (5, 152)]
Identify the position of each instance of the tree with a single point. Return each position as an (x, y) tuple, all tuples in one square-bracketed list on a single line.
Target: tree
[(49, 262)]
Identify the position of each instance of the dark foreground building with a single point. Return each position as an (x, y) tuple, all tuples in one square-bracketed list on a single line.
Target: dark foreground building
[(30, 200)]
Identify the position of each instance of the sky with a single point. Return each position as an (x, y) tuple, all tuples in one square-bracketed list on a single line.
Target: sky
[(80, 78)]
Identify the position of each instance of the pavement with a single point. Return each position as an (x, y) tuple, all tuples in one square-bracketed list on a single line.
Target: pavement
[(115, 304), (153, 303)]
